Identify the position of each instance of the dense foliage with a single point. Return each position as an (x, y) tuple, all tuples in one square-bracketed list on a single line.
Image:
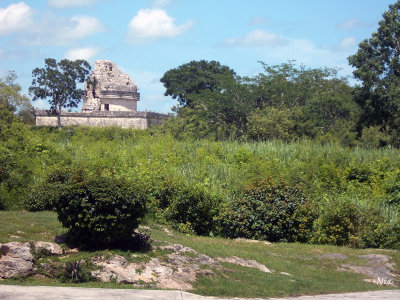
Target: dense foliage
[(272, 211), (190, 185), (285, 102), (187, 208), (377, 64), (99, 211)]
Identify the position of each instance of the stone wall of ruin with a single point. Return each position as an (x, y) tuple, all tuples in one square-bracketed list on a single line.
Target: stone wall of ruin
[(137, 120), (119, 105)]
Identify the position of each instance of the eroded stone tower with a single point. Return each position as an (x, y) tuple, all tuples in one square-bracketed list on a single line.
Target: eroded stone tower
[(109, 89)]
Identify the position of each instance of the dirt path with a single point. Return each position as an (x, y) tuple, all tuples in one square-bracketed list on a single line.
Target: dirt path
[(14, 292)]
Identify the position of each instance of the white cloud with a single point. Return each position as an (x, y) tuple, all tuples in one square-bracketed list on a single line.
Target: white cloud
[(86, 53), (151, 24), (70, 3), (347, 43), (257, 38), (45, 29), (53, 30), (350, 24), (15, 17), (82, 26)]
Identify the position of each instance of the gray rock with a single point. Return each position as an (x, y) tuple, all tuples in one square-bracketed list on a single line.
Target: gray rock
[(16, 260), (51, 248), (251, 263)]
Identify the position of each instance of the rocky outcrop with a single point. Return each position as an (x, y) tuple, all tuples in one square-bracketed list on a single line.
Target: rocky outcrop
[(177, 271), (379, 269), (47, 247), (16, 260), (245, 263)]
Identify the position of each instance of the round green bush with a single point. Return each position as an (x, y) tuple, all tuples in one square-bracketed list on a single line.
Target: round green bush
[(99, 212), (338, 223), (187, 208), (42, 195), (268, 210)]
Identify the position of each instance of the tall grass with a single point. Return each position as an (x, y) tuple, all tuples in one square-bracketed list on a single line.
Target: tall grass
[(323, 170)]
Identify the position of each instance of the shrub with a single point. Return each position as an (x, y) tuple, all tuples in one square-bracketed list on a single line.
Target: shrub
[(273, 211), (338, 223), (42, 196), (99, 212), (376, 232), (189, 209)]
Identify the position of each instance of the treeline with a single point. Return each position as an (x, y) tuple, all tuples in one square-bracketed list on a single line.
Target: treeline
[(286, 102)]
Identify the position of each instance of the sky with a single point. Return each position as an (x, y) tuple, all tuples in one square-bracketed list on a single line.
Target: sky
[(146, 38)]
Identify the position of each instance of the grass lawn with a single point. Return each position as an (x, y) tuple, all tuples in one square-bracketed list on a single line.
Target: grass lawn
[(311, 273)]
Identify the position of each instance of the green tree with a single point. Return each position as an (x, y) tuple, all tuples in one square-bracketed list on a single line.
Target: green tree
[(289, 85), (275, 123), (57, 82), (377, 66), (12, 99), (15, 161), (193, 78)]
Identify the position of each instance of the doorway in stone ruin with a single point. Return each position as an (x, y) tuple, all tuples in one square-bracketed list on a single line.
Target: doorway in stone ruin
[(106, 106)]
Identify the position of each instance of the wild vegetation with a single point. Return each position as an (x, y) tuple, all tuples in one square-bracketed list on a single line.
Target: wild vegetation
[(290, 155), (351, 194)]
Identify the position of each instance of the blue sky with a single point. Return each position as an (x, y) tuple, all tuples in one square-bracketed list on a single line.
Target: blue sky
[(146, 38)]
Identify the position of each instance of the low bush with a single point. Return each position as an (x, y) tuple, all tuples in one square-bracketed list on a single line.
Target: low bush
[(338, 223), (42, 196), (376, 232), (99, 212), (187, 208), (273, 211)]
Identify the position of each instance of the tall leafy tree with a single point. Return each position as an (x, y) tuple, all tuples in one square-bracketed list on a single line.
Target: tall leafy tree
[(377, 66), (193, 78), (57, 82), (11, 102)]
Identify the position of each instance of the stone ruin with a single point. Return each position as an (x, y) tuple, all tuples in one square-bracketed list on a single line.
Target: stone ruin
[(110, 99), (109, 89)]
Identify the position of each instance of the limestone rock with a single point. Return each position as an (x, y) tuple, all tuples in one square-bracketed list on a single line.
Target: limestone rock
[(16, 260), (246, 263), (379, 268), (51, 248), (178, 271)]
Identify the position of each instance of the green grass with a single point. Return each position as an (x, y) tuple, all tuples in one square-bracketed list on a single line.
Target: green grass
[(26, 226), (311, 274)]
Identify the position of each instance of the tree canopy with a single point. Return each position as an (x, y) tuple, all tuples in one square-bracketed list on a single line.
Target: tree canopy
[(193, 78), (57, 82), (284, 102), (377, 66)]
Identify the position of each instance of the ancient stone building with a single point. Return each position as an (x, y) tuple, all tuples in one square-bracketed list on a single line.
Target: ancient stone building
[(109, 89), (110, 99)]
